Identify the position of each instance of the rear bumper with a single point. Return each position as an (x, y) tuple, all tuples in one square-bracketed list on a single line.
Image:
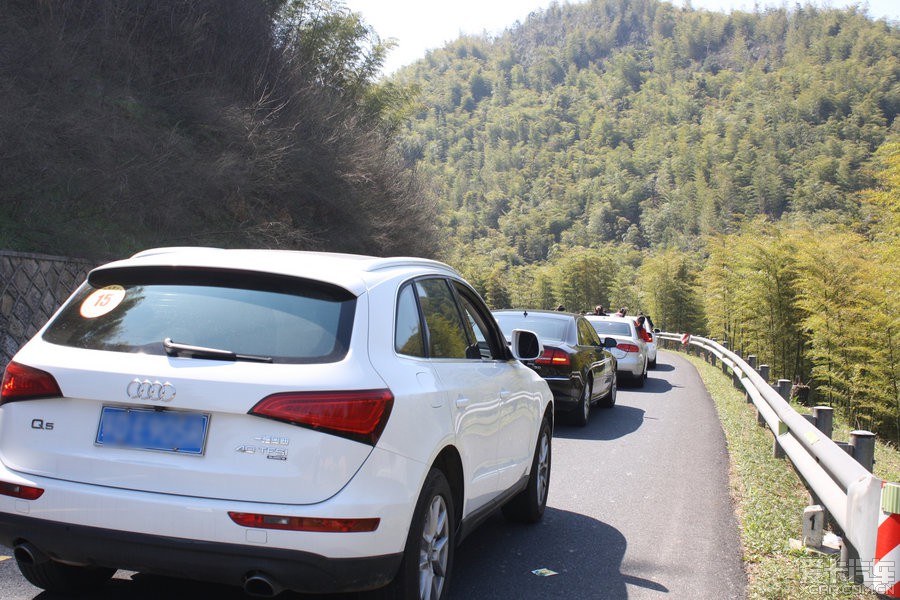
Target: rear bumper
[(566, 393), (194, 538), (632, 365), (229, 564)]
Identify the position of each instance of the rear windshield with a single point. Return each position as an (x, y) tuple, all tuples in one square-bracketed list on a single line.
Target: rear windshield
[(546, 327), (278, 318), (610, 327)]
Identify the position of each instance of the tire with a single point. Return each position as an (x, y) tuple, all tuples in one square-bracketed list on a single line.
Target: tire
[(64, 579), (528, 505), (609, 400), (428, 556), (582, 413), (639, 379), (653, 364)]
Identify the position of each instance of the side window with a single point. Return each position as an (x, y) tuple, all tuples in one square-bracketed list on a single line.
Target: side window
[(485, 341), (446, 332), (587, 335), (408, 335)]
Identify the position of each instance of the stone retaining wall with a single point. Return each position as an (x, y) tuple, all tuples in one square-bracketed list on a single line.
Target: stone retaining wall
[(32, 287)]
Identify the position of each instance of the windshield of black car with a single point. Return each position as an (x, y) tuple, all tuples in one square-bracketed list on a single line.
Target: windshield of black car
[(547, 327), (283, 319)]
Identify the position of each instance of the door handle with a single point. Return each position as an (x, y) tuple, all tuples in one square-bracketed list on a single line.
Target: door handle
[(462, 402)]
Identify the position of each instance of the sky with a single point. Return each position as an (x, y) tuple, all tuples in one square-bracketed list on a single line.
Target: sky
[(421, 25)]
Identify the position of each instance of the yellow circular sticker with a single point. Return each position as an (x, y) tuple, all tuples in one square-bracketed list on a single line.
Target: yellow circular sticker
[(102, 301)]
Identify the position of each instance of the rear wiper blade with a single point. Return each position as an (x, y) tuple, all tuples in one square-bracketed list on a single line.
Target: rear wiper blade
[(177, 349)]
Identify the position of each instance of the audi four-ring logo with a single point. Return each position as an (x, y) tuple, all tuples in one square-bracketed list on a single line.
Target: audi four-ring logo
[(144, 389)]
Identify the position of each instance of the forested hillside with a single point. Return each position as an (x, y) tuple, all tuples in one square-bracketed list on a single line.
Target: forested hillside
[(734, 175), (634, 121), (140, 123)]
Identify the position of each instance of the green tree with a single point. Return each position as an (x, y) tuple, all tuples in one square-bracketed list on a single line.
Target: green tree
[(669, 292)]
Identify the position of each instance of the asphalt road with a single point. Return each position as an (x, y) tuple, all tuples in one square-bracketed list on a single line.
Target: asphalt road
[(639, 508)]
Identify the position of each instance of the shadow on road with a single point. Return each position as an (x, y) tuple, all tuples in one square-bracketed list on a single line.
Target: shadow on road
[(605, 424), (499, 559), (654, 385), (136, 586)]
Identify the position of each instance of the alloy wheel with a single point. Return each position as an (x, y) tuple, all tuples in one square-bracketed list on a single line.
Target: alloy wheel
[(434, 550)]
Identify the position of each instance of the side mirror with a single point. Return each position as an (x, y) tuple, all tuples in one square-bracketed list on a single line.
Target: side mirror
[(657, 330), (610, 342), (525, 345)]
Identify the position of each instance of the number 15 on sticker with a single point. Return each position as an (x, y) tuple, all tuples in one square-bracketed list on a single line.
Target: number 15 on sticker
[(102, 301)]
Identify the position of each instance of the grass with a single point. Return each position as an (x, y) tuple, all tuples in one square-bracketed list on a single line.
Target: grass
[(769, 500)]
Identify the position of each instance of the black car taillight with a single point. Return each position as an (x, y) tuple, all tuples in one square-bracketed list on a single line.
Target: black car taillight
[(359, 415), (25, 383), (553, 356)]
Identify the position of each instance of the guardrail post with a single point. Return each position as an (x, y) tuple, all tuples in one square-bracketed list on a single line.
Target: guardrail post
[(824, 419), (851, 561), (784, 388), (760, 420), (736, 372), (751, 360), (863, 444), (777, 450), (764, 372), (824, 423)]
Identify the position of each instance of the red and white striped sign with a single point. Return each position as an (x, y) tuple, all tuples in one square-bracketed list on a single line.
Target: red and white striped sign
[(886, 569), (685, 339)]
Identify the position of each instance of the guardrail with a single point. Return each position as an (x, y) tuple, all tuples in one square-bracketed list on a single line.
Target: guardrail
[(852, 495)]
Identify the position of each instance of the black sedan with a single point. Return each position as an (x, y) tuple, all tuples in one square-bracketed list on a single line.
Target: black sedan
[(575, 364)]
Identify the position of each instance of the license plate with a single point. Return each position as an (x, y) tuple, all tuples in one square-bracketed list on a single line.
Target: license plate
[(143, 429)]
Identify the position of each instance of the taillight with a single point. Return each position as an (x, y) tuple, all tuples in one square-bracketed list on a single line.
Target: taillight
[(628, 347), (316, 524), (23, 383), (25, 492), (553, 356), (359, 415)]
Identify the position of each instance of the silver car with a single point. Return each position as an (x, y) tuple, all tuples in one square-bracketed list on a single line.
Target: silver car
[(631, 351)]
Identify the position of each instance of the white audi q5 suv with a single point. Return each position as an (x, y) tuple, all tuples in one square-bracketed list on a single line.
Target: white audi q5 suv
[(275, 420)]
